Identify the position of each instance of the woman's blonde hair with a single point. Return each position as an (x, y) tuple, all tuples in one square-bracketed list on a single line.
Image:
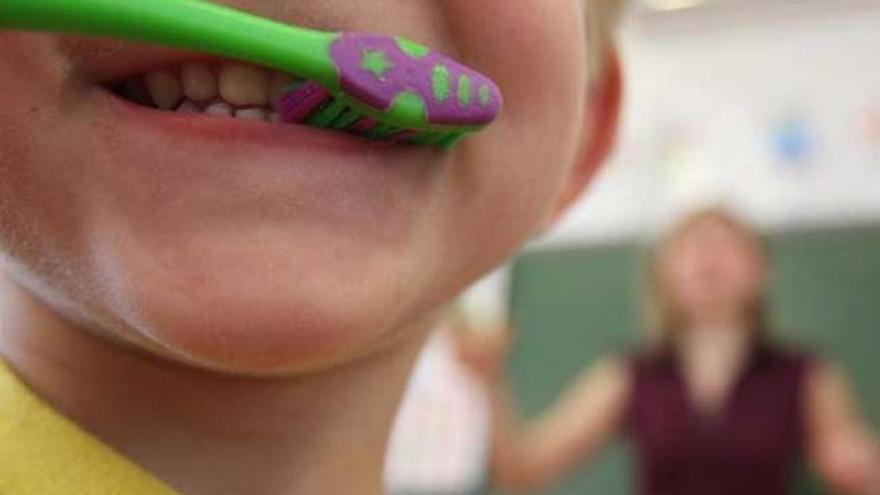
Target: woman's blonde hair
[(665, 317), (602, 17)]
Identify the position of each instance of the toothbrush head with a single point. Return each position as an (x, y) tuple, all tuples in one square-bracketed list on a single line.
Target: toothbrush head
[(392, 88), (413, 85)]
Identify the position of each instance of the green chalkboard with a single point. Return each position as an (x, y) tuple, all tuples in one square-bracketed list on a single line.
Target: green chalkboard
[(572, 305)]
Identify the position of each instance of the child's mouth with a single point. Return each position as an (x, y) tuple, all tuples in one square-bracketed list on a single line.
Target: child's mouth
[(224, 89), (198, 96)]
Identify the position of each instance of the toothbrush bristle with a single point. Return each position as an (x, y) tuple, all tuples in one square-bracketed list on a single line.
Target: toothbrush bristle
[(301, 101), (308, 103)]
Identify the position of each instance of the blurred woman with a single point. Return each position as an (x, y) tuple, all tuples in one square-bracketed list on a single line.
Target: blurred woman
[(713, 406)]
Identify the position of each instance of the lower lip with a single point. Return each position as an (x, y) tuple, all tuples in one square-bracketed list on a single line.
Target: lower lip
[(239, 166)]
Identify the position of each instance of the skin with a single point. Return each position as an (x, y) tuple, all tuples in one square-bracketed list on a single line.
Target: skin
[(235, 309), (711, 272)]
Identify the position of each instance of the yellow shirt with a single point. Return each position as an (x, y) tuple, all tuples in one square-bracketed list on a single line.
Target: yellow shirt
[(44, 453)]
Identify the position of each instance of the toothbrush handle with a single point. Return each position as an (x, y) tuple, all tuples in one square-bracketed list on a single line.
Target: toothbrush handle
[(189, 24)]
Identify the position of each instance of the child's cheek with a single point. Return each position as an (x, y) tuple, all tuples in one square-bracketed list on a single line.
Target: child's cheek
[(19, 73), (31, 88), (42, 145), (25, 104), (534, 49)]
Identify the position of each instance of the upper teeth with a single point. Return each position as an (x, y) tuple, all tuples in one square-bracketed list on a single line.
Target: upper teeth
[(164, 88), (242, 85), (199, 82), (230, 90)]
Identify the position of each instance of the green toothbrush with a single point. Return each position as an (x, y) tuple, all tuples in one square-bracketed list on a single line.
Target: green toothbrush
[(379, 86)]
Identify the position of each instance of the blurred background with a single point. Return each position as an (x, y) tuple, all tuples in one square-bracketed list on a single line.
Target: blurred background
[(770, 108)]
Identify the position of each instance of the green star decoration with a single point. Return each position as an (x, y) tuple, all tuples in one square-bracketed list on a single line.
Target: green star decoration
[(375, 62)]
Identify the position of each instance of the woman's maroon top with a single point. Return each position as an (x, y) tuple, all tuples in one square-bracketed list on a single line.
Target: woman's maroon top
[(750, 447)]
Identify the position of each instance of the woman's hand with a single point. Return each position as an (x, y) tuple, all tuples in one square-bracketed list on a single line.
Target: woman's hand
[(484, 351), (848, 462), (844, 452)]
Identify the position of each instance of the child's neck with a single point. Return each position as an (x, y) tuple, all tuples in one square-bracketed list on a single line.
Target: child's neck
[(204, 433)]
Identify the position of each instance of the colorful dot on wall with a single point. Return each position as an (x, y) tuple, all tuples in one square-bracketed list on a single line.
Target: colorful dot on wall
[(793, 142)]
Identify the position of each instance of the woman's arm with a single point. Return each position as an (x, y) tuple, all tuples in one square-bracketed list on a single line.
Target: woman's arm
[(842, 449), (534, 454)]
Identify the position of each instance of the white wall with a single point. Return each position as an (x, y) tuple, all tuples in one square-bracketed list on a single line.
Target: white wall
[(706, 94)]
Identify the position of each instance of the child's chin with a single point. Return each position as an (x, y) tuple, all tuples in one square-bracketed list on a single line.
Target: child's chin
[(288, 314), (270, 337)]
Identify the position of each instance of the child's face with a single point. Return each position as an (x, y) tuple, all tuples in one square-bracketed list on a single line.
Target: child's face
[(257, 248)]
